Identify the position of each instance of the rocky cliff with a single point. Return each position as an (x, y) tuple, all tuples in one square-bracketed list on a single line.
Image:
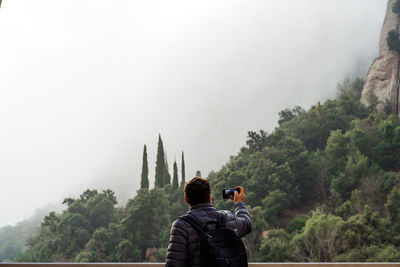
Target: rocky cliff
[(383, 75)]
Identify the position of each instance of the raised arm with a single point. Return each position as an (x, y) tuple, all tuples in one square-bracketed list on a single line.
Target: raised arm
[(240, 221)]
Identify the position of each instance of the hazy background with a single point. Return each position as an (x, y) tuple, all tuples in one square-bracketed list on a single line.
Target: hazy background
[(85, 84)]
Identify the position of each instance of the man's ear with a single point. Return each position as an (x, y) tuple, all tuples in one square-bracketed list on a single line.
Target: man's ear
[(209, 198)]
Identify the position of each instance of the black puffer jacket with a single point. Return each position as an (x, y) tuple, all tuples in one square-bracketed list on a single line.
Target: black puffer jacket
[(184, 244)]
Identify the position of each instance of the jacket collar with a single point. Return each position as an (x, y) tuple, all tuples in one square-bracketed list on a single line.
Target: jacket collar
[(201, 205)]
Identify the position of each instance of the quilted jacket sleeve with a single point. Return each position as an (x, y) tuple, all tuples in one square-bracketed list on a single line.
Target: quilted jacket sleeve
[(240, 222), (178, 245)]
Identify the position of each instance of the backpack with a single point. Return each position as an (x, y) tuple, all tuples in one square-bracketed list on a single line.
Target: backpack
[(220, 247)]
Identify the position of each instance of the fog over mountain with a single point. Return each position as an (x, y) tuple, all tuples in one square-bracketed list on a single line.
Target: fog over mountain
[(85, 84)]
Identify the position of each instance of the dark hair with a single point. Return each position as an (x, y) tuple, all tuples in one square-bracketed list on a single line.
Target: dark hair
[(197, 191)]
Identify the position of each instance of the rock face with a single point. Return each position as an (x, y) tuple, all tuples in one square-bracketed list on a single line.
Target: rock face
[(383, 75), (383, 80)]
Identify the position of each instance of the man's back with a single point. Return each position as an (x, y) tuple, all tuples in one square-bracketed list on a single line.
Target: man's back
[(184, 244)]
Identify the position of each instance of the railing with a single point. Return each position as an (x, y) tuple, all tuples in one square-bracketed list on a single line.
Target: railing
[(261, 264)]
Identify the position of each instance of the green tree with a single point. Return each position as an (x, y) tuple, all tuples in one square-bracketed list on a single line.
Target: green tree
[(167, 175), (175, 177), (253, 240), (357, 167), (289, 114), (144, 182), (387, 254), (183, 170), (387, 152), (127, 252), (100, 247), (346, 210), (160, 164), (393, 41), (336, 148), (393, 208), (106, 245), (372, 100), (145, 221), (350, 91), (396, 7), (364, 230), (313, 127), (256, 141), (276, 247), (13, 238), (100, 211), (297, 223), (320, 239), (275, 204), (177, 202), (62, 237)]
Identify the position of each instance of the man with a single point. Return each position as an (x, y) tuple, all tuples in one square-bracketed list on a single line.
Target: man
[(184, 243)]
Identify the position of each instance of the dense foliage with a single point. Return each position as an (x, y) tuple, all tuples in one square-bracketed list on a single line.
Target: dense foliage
[(13, 238), (323, 186), (392, 39), (396, 7)]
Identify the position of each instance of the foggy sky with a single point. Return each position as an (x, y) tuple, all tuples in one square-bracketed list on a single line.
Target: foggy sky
[(85, 84)]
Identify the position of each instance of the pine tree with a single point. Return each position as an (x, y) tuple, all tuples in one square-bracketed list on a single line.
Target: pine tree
[(183, 170), (167, 175), (144, 183), (160, 164), (175, 177)]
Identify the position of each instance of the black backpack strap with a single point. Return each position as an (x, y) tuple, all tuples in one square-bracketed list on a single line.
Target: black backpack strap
[(221, 219), (194, 222)]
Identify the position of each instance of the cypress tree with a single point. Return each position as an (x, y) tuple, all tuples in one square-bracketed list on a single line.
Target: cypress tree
[(167, 176), (160, 164), (144, 183), (175, 177), (183, 170)]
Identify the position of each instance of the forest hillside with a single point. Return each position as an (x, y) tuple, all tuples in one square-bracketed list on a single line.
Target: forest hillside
[(323, 186)]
